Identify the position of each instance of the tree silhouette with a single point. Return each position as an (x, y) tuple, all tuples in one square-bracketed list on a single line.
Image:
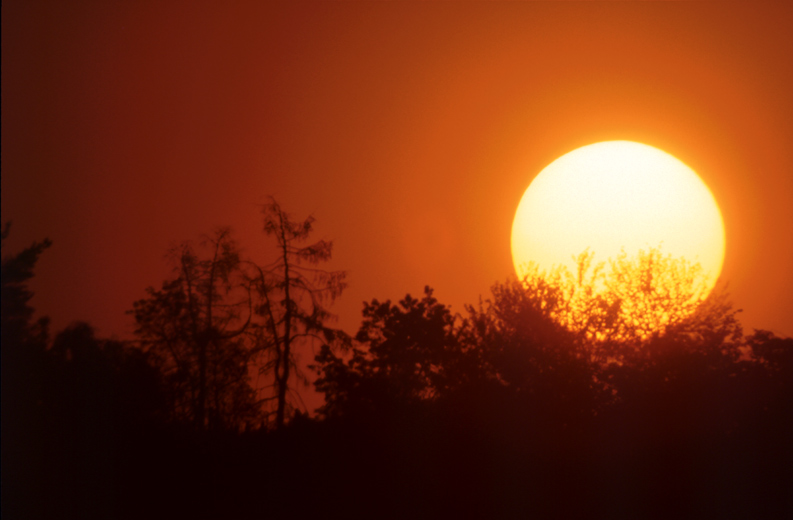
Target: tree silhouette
[(404, 354), (194, 328), (619, 309), (17, 270), (25, 363), (530, 353), (292, 298), (568, 346)]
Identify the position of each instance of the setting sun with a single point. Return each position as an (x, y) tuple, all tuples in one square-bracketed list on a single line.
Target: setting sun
[(613, 196)]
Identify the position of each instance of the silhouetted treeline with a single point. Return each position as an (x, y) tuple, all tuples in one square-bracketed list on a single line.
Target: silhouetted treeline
[(504, 410), (500, 412)]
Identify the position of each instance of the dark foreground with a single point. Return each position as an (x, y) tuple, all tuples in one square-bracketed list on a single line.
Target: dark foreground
[(447, 462)]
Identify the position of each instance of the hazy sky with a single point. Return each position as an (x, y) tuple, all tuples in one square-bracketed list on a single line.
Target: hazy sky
[(409, 130)]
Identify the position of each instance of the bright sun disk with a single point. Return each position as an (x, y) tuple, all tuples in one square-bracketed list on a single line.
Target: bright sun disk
[(612, 196)]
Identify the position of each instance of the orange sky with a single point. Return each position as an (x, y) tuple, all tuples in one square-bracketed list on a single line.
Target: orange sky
[(410, 131)]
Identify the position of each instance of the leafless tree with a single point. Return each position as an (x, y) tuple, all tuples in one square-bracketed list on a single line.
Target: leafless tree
[(293, 295)]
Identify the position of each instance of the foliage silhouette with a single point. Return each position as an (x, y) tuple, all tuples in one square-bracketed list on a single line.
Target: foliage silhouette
[(16, 311), (532, 354), (632, 299), (403, 354), (560, 349)]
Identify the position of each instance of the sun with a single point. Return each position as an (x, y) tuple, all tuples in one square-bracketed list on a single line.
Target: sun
[(613, 196)]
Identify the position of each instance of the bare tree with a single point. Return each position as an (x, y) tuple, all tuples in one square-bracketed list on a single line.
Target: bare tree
[(293, 297)]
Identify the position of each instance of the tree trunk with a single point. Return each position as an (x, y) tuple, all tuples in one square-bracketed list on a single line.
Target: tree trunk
[(284, 379)]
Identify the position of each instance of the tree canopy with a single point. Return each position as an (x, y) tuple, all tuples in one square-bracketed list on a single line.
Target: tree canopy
[(563, 344)]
